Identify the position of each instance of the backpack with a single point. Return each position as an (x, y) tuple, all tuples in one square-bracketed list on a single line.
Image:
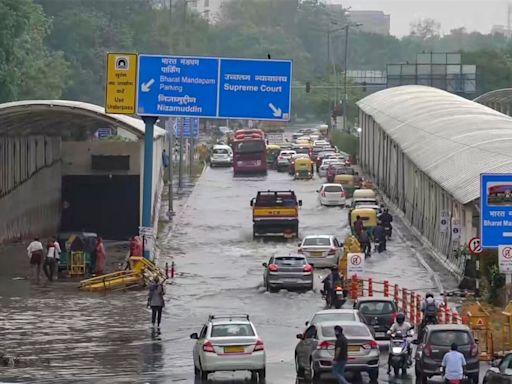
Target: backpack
[(431, 309)]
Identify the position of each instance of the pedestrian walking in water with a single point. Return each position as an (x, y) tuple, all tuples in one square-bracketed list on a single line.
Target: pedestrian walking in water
[(35, 254), (52, 255), (340, 355), (100, 256), (156, 301)]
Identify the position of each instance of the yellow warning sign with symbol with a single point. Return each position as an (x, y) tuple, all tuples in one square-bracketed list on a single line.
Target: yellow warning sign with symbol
[(121, 83)]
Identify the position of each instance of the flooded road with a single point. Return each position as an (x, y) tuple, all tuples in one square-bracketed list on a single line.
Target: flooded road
[(75, 337)]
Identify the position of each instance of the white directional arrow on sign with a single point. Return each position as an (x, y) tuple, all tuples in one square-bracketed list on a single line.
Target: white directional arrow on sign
[(276, 111), (146, 87)]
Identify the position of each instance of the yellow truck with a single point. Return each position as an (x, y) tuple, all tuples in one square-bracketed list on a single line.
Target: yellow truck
[(275, 214)]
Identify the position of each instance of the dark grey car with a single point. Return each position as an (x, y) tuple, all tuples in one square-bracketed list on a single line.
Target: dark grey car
[(288, 272), (500, 371)]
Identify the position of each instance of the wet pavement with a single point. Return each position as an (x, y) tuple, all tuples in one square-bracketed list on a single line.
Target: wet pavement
[(75, 337)]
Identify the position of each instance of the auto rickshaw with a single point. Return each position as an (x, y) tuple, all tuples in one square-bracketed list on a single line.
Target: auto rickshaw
[(303, 168), (272, 154), (77, 249), (368, 215), (349, 182)]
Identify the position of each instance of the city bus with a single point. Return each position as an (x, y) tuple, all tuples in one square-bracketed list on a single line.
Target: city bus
[(249, 152)]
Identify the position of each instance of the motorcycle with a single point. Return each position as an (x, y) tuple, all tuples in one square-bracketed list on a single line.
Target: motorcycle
[(399, 346), (428, 319), (334, 298), (388, 228)]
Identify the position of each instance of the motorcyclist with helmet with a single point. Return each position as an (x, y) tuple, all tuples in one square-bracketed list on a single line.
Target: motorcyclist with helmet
[(429, 308), (331, 281), (386, 219), (400, 326)]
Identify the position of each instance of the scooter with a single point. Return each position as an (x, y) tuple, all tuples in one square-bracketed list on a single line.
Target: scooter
[(334, 299), (399, 346)]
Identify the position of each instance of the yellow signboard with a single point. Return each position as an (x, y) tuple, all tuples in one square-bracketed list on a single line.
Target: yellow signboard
[(121, 83)]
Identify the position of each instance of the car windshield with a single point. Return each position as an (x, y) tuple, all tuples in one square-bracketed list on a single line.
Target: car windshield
[(250, 146), (342, 316), (445, 338), (325, 241), (220, 151), (290, 261), (232, 330), (376, 307), (302, 150), (277, 199), (333, 188), (348, 330), (345, 171)]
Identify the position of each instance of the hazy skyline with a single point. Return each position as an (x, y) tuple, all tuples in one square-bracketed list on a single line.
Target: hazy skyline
[(475, 15)]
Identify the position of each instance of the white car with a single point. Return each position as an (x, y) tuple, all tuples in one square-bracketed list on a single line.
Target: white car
[(228, 343), (321, 250), (332, 194), (222, 155), (335, 315), (283, 160), (322, 171)]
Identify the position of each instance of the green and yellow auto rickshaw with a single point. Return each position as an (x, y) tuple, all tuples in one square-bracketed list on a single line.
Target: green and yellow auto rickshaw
[(367, 215), (273, 151), (349, 182), (303, 168)]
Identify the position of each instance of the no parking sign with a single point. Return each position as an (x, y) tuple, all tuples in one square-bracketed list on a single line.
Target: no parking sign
[(355, 264)]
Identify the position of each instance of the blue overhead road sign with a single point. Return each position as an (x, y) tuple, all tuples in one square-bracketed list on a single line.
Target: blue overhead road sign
[(495, 209), (214, 87)]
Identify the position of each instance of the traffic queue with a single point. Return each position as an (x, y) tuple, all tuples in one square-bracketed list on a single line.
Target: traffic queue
[(230, 342)]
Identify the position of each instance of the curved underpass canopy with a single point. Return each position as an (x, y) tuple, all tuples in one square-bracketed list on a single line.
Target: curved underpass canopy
[(498, 96), (450, 138), (63, 118)]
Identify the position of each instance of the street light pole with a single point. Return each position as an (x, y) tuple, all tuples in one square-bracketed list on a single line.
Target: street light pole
[(345, 95)]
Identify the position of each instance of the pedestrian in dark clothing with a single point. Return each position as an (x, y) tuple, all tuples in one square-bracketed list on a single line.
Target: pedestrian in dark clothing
[(379, 235), (156, 301), (340, 356), (364, 240), (358, 226)]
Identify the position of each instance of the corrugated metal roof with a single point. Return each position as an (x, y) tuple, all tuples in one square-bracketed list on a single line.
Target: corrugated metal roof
[(28, 116), (497, 96), (450, 138)]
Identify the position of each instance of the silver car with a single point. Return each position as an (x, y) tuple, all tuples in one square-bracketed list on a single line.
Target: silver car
[(314, 353), (283, 160), (228, 343), (289, 272), (321, 250), (328, 315)]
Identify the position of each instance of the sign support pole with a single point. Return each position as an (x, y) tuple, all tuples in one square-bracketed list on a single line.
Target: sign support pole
[(147, 189), (180, 165), (477, 282), (171, 173), (191, 154)]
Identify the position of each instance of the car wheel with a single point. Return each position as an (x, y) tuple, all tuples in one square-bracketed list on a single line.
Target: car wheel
[(374, 375), (310, 288), (262, 373), (203, 374), (196, 371), (313, 375), (298, 368)]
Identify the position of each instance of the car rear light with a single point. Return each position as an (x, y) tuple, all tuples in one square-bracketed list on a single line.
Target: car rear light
[(393, 316), (474, 350), (272, 268), (259, 346), (208, 347), (308, 268), (325, 345), (293, 162), (332, 251), (371, 345), (344, 194), (427, 350)]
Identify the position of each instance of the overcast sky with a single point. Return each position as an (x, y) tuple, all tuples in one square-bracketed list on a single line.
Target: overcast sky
[(479, 15)]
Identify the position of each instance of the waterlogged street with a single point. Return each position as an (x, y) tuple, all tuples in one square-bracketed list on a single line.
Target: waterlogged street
[(69, 336)]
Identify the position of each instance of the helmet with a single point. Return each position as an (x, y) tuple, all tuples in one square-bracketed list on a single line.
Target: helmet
[(430, 300), (334, 268), (429, 294), (400, 318)]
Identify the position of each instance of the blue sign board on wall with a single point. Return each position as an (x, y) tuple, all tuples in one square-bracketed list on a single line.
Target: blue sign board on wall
[(495, 209), (214, 87)]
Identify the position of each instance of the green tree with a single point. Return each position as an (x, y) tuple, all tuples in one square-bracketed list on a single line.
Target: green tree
[(28, 70)]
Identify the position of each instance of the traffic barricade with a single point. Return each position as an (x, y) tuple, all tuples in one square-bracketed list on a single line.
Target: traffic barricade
[(479, 322), (507, 328), (77, 264)]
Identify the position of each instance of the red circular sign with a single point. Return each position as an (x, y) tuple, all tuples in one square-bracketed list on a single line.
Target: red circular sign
[(507, 252), (474, 246), (355, 260)]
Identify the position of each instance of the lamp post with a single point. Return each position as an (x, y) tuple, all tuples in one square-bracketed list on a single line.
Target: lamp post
[(345, 95)]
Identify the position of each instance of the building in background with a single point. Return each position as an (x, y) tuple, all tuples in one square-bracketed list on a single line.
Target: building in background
[(209, 9), (502, 30), (372, 21)]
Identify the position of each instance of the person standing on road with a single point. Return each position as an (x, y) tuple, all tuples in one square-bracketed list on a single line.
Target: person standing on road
[(364, 240), (52, 255), (358, 226), (100, 256), (156, 301), (35, 254), (379, 236), (340, 356), (453, 365)]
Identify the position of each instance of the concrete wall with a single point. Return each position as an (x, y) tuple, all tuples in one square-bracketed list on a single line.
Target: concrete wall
[(419, 198), (76, 156), (30, 186)]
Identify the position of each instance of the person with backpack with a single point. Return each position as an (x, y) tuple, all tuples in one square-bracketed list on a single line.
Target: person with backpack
[(429, 308)]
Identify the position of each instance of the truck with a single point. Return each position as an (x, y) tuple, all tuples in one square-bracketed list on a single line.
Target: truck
[(275, 214)]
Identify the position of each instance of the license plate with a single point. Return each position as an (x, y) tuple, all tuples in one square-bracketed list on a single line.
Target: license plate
[(380, 334), (339, 293), (316, 254), (234, 349), (353, 348)]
